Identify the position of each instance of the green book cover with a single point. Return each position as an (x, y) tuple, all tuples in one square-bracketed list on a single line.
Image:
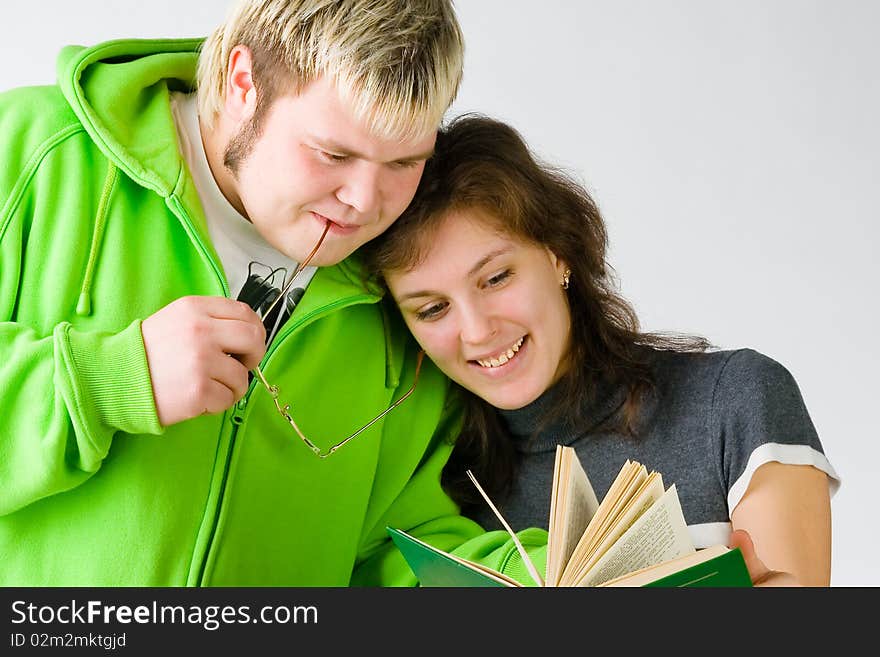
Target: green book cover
[(434, 567), (596, 544), (717, 566), (727, 569)]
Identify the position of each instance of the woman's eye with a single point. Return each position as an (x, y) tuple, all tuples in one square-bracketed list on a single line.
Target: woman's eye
[(431, 312), (499, 278)]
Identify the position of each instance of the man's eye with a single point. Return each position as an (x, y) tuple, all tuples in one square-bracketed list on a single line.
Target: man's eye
[(432, 312), (333, 157)]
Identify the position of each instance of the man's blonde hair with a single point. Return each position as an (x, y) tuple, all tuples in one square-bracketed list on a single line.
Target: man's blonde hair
[(398, 62)]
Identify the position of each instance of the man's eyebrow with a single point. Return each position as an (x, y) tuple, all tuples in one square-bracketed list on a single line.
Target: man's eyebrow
[(339, 149), (482, 262)]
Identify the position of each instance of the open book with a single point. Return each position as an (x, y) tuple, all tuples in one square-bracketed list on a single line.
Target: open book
[(637, 536)]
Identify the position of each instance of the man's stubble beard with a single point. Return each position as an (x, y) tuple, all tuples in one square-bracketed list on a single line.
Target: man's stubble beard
[(241, 145)]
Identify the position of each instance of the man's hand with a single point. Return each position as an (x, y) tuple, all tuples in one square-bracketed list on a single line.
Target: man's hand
[(200, 350), (761, 575)]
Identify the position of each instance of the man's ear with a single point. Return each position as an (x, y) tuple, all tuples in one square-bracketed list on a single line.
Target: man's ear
[(240, 101)]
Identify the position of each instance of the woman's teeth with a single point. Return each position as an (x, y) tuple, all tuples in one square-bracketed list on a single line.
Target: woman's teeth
[(503, 358)]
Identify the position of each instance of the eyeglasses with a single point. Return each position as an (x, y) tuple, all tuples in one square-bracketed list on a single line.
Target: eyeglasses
[(285, 409)]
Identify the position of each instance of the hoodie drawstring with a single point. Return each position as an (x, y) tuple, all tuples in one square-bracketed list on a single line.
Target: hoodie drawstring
[(84, 303)]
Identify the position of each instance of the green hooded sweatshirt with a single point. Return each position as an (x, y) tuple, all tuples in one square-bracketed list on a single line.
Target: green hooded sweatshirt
[(100, 227)]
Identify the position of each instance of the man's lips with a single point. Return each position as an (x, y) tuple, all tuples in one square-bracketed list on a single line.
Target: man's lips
[(336, 226)]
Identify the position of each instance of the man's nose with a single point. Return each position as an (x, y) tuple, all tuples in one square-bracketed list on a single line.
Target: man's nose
[(361, 188)]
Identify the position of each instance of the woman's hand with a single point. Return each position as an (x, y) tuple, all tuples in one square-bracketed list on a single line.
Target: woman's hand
[(761, 575)]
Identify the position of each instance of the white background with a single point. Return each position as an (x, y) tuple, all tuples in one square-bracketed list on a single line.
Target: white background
[(733, 148)]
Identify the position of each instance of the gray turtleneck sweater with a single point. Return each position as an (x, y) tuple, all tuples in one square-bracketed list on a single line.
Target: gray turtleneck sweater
[(713, 419)]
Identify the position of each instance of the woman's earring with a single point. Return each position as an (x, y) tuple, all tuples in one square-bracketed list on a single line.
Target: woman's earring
[(566, 277)]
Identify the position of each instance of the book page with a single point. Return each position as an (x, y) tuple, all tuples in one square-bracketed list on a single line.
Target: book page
[(649, 492), (631, 478), (493, 574), (651, 573), (659, 534), (573, 504), (557, 493), (530, 566)]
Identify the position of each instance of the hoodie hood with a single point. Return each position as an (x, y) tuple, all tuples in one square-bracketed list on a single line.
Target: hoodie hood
[(119, 90)]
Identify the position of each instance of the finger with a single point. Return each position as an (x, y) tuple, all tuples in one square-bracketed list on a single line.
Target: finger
[(244, 340), (757, 570), (221, 308), (249, 360), (232, 375), (218, 398)]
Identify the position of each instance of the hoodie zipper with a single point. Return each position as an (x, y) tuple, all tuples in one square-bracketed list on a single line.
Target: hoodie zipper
[(237, 412), (180, 211), (177, 208)]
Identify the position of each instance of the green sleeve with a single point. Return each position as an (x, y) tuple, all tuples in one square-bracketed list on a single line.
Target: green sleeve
[(424, 510), (63, 393), (62, 399)]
